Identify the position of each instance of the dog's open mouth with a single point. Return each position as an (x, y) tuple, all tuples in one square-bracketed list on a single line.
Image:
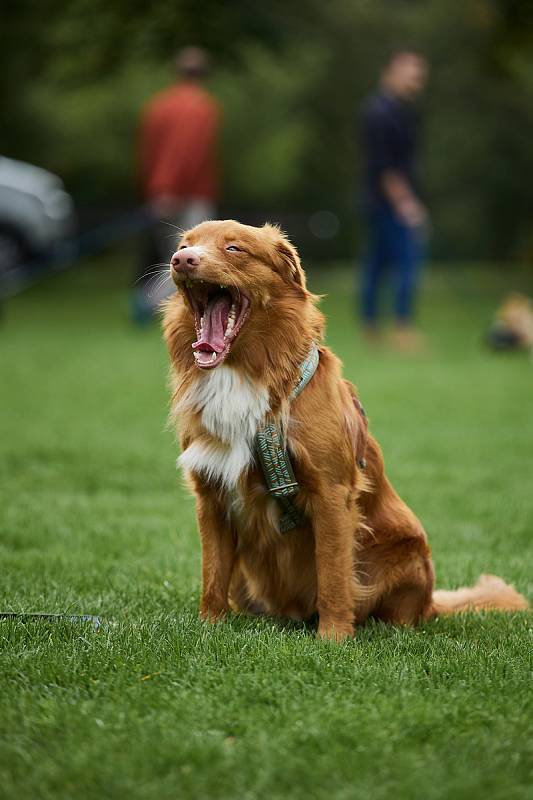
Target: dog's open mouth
[(219, 314)]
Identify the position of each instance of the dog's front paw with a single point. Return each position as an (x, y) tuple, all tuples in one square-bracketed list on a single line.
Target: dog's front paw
[(335, 631), (213, 612)]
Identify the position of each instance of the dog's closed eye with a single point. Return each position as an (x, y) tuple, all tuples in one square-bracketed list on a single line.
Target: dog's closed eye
[(234, 248)]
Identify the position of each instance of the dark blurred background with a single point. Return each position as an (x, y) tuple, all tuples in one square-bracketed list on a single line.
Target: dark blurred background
[(290, 79)]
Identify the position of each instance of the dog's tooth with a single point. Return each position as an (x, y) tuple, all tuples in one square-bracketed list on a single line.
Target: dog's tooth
[(214, 356)]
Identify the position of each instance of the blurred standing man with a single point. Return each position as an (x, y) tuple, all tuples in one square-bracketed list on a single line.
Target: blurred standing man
[(178, 167), (397, 218)]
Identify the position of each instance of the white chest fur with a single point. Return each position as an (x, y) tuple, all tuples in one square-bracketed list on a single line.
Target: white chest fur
[(232, 407)]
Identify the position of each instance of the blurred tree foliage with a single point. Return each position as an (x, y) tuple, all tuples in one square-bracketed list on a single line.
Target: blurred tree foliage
[(291, 78)]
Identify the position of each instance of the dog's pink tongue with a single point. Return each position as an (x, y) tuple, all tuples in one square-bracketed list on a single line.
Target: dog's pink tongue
[(215, 321)]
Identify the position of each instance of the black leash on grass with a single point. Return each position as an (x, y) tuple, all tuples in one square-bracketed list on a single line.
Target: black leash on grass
[(44, 617)]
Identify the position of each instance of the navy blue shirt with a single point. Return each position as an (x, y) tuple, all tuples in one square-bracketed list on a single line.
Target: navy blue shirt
[(390, 142)]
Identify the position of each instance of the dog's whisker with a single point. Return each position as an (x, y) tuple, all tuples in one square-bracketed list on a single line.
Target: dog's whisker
[(178, 228), (155, 280), (149, 275), (153, 269), (157, 288), (155, 272)]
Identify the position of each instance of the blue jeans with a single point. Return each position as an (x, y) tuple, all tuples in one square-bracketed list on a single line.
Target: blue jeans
[(396, 247)]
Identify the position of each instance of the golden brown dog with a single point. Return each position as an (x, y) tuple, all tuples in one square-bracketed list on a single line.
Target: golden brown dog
[(237, 331)]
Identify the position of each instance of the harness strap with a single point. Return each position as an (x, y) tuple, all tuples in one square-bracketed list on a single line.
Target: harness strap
[(275, 462), (307, 370), (273, 456), (290, 518)]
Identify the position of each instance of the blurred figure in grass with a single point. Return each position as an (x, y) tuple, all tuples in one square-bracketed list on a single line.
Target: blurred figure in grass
[(396, 215), (178, 169)]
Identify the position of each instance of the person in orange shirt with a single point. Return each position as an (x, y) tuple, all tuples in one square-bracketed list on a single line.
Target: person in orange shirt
[(178, 170)]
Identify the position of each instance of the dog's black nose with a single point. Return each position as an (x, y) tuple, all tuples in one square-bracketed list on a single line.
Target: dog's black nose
[(185, 258)]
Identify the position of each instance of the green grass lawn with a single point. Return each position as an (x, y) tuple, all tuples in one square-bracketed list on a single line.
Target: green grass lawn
[(94, 519)]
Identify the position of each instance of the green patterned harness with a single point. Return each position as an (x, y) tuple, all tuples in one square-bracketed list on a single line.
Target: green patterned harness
[(274, 458)]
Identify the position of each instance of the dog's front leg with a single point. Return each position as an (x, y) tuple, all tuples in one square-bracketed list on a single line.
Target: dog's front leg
[(218, 555), (333, 525)]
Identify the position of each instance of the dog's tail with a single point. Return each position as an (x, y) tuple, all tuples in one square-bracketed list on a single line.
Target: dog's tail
[(489, 594)]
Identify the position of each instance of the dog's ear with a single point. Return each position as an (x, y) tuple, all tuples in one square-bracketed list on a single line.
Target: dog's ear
[(289, 254), (287, 257)]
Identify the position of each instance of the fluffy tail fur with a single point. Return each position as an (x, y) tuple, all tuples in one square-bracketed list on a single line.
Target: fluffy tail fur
[(489, 593)]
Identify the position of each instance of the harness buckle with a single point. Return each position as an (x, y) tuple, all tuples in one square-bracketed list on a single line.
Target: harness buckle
[(281, 489)]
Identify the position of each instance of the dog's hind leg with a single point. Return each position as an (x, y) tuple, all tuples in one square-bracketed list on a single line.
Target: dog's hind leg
[(403, 583), (406, 605)]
